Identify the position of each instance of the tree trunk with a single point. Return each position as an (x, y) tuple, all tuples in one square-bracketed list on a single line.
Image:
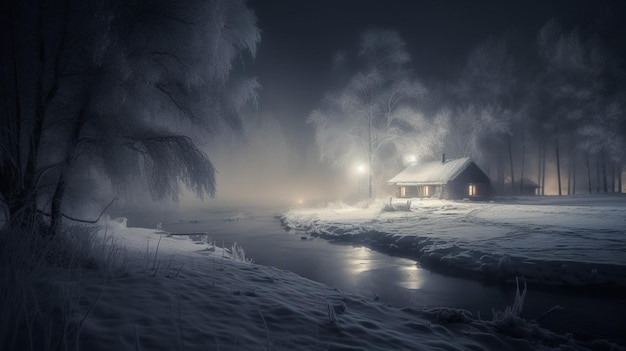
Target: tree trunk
[(604, 183), (569, 177), (619, 178), (521, 179), (598, 174), (11, 172), (511, 164), (55, 207), (612, 177), (558, 163), (16, 128), (370, 156), (539, 167), (500, 174), (573, 168), (543, 170), (588, 174), (59, 191)]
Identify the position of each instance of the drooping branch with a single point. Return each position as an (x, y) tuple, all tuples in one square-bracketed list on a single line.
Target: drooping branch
[(87, 221)]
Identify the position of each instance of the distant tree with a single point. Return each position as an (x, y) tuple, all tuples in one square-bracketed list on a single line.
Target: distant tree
[(488, 104), (116, 88), (374, 110), (571, 84), (606, 132)]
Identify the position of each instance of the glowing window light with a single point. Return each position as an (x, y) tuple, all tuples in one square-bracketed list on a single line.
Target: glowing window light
[(472, 190)]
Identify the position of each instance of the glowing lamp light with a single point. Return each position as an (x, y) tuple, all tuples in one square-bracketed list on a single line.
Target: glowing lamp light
[(300, 201), (360, 169), (411, 159)]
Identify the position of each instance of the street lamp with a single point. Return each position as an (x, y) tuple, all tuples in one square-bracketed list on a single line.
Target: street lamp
[(360, 169), (410, 159)]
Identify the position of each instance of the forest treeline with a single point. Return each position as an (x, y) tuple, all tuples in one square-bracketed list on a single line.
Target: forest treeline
[(547, 113)]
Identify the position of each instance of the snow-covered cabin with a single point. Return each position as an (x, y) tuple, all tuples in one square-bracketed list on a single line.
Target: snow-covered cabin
[(446, 179)]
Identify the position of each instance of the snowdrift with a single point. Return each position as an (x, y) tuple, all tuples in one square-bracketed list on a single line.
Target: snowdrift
[(554, 242)]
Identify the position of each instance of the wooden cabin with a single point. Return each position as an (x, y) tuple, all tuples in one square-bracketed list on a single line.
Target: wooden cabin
[(446, 179)]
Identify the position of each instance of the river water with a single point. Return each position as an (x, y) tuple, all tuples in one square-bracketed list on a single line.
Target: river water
[(397, 281)]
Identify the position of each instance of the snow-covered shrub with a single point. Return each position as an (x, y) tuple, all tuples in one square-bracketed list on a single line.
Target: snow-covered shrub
[(210, 244), (238, 254), (510, 321)]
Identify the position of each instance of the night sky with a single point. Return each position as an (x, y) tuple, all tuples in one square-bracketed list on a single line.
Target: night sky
[(299, 39)]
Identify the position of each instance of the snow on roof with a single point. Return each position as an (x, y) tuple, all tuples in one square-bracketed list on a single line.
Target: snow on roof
[(435, 172)]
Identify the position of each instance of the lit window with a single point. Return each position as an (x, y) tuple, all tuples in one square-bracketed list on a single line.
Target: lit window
[(402, 191), (425, 191), (472, 190)]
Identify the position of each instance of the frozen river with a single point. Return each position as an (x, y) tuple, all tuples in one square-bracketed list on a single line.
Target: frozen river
[(399, 282)]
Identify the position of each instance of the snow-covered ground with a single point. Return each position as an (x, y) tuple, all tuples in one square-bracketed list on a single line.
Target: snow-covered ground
[(558, 241), (176, 293), (160, 292)]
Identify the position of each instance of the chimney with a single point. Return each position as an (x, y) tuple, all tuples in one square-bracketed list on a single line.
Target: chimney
[(443, 158)]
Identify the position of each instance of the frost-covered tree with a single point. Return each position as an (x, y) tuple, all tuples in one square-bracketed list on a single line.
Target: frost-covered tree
[(122, 89), (606, 133), (487, 94), (571, 85), (374, 110)]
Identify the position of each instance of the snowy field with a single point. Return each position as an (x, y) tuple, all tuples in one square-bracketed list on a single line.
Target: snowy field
[(181, 293), (558, 241)]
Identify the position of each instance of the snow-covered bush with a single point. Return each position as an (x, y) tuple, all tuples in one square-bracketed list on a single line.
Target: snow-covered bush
[(238, 254)]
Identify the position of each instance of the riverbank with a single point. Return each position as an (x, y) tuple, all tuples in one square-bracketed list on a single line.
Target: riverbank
[(175, 293), (574, 242)]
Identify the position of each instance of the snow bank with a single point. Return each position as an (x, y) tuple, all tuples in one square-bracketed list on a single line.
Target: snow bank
[(548, 241), (215, 303)]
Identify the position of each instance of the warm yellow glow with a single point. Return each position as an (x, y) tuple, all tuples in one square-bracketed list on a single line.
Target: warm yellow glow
[(300, 201), (411, 159), (360, 169), (472, 190)]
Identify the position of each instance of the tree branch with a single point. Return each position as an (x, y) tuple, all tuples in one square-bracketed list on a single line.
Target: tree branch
[(94, 221)]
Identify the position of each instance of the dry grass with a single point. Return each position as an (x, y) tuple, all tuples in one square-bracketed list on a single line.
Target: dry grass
[(40, 284)]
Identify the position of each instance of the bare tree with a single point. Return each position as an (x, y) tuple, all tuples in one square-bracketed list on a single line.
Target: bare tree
[(374, 110)]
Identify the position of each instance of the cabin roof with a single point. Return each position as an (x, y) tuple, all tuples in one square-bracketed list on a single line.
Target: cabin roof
[(431, 173)]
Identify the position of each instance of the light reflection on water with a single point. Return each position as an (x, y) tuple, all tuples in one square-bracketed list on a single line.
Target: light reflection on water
[(413, 277), (359, 261)]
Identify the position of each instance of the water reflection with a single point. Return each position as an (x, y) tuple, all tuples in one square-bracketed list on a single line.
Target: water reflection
[(412, 277), (359, 261)]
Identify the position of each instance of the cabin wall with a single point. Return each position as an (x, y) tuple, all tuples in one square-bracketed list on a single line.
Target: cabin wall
[(405, 191)]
